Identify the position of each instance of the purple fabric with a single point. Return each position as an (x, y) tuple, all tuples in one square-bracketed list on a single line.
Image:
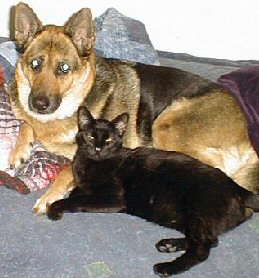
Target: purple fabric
[(244, 84)]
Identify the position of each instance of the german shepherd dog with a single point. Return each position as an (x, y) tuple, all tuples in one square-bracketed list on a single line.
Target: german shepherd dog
[(169, 108)]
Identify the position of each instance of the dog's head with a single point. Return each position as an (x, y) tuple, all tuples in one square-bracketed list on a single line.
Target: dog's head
[(56, 68)]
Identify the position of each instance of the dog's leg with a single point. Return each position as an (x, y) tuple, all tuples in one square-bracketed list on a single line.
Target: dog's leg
[(61, 186), (23, 146)]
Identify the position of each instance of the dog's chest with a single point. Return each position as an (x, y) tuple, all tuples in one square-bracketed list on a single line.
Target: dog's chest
[(61, 134), (68, 136)]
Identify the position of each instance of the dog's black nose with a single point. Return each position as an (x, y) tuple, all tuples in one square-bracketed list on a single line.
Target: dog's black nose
[(39, 103), (44, 104)]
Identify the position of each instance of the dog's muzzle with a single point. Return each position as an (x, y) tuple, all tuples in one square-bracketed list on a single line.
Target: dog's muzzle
[(43, 104)]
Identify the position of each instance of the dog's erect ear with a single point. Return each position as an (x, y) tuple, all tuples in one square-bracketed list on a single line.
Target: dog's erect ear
[(84, 117), (80, 27), (26, 25), (121, 123)]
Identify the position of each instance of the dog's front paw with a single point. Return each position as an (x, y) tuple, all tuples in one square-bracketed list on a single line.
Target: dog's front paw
[(40, 206), (19, 155), (44, 202)]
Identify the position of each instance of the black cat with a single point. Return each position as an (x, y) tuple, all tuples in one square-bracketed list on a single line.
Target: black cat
[(168, 188)]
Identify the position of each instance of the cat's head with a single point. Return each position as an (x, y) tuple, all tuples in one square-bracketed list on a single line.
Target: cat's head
[(100, 138)]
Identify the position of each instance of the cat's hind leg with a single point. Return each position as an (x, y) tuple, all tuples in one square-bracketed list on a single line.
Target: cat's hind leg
[(171, 245), (193, 256), (200, 237)]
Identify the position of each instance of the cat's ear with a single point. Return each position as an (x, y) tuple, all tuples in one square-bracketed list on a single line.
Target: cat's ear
[(121, 123), (26, 24), (84, 117)]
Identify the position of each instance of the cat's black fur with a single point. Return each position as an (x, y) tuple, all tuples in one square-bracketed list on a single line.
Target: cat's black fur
[(168, 188)]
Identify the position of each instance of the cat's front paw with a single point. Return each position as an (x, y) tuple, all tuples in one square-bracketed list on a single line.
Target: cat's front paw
[(54, 212), (42, 204)]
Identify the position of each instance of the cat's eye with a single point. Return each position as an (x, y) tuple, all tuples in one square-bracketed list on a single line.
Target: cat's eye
[(64, 68), (108, 140), (36, 63), (90, 137)]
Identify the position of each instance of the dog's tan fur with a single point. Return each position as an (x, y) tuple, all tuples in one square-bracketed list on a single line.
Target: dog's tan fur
[(226, 146), (208, 126)]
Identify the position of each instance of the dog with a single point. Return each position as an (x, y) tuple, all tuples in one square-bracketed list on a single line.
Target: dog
[(169, 108)]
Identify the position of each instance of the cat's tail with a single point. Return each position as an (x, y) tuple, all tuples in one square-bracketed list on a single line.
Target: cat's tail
[(252, 201)]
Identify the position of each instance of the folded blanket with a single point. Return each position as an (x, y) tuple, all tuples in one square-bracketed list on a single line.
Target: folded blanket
[(117, 37)]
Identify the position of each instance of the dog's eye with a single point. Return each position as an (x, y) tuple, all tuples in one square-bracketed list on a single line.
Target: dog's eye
[(36, 64), (64, 68)]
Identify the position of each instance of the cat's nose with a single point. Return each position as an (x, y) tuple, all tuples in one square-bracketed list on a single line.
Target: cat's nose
[(97, 149)]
